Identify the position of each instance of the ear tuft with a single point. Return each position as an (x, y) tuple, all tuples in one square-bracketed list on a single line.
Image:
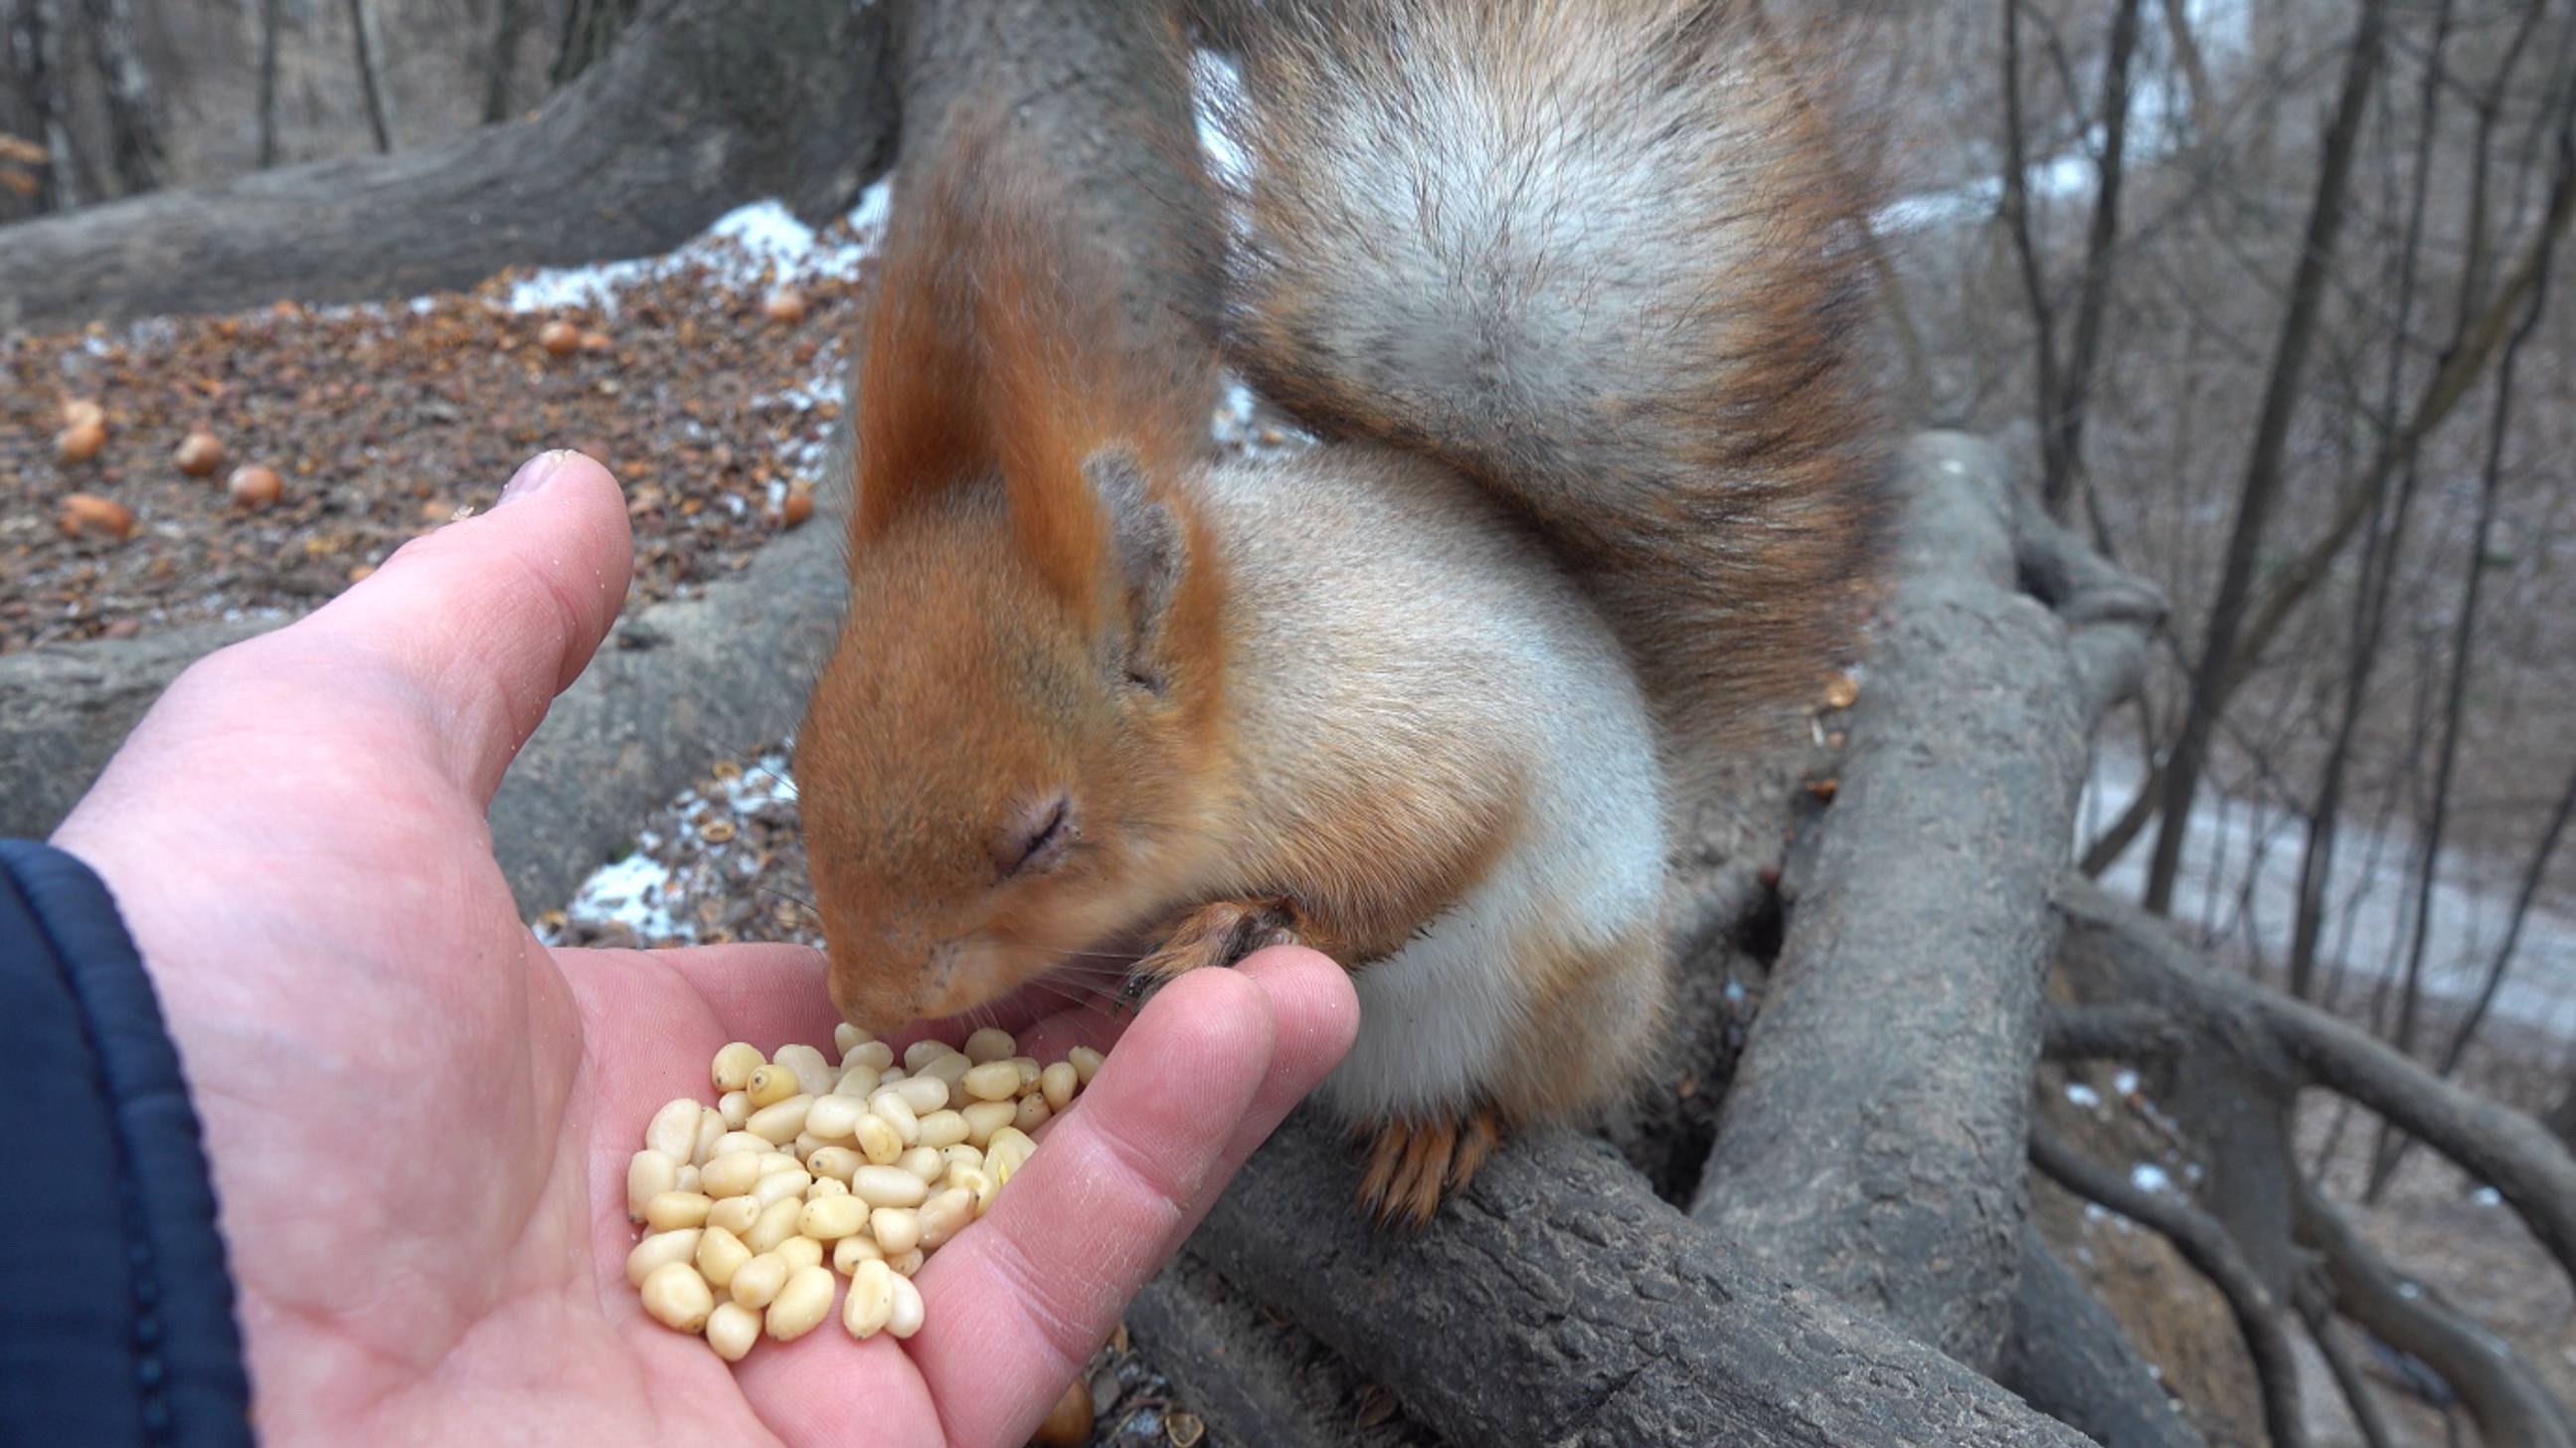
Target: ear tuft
[(1148, 548)]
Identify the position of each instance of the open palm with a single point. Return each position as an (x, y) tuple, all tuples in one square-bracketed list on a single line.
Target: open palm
[(418, 1117)]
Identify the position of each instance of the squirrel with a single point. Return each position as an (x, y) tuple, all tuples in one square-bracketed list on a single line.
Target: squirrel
[(1566, 294)]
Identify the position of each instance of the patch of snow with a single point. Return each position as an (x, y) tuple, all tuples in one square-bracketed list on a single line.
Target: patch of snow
[(633, 891), (2082, 1095), (736, 250), (2125, 1081), (2146, 1176), (2487, 1197)]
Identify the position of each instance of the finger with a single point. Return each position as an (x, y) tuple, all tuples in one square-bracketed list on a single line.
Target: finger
[(488, 619), (1018, 1303)]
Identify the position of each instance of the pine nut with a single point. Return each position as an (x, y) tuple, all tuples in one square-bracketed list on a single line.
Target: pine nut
[(802, 1304), (880, 1140), (758, 1279), (871, 1300), (673, 1131), (924, 1163), (677, 1297), (658, 1250), (924, 1094), (734, 1214), (802, 1170), (649, 1173), (780, 1120), (670, 1211), (731, 1330), (1006, 1153), (897, 1229), (769, 1085), (986, 1117), (776, 1224), (941, 1130), (782, 1186), (1086, 1063), (833, 1118), (849, 1252), (720, 1256), (1058, 1083), (897, 1113), (993, 1081), (888, 1186), (942, 1216), (832, 1218), (814, 1074), (729, 1175), (905, 1319), (734, 1064)]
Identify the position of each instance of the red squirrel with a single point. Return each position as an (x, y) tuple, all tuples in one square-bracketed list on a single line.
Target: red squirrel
[(1564, 291)]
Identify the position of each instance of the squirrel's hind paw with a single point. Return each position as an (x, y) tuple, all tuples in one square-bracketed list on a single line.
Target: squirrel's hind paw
[(1414, 1164)]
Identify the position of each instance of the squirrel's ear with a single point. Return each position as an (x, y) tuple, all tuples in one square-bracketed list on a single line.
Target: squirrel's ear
[(1148, 549)]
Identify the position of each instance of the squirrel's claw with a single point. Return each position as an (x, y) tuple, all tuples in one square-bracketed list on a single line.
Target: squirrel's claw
[(1414, 1164), (1215, 934)]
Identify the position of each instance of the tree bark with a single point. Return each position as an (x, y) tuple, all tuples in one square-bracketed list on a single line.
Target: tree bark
[(1919, 941), (371, 74), (1555, 1302), (709, 103), (135, 153), (2067, 1357), (268, 23), (509, 28)]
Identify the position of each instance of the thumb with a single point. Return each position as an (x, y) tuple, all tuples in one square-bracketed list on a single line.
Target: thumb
[(486, 620)]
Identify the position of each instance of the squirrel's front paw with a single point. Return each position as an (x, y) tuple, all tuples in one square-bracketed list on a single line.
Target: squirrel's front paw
[(1218, 933)]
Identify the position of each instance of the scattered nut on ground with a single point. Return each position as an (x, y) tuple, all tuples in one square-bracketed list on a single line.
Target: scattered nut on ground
[(836, 1160)]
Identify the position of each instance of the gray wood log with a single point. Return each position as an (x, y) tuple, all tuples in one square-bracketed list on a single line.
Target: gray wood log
[(1556, 1301), (705, 105), (1872, 1144)]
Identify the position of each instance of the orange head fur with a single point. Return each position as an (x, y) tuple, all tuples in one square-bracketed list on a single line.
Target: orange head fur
[(1005, 749)]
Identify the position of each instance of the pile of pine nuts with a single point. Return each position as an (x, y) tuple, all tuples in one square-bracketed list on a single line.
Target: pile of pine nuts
[(867, 1165)]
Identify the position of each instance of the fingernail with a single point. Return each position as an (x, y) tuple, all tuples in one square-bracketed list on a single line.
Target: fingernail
[(532, 476)]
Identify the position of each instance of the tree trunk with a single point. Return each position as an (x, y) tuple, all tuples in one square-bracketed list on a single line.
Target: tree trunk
[(590, 31), (268, 23), (135, 155), (509, 27), (371, 73), (708, 104), (2265, 470)]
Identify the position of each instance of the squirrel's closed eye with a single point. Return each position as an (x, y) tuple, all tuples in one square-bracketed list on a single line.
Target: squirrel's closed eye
[(1036, 839)]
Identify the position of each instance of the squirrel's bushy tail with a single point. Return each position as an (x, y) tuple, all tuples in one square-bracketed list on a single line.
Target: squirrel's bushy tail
[(1600, 255)]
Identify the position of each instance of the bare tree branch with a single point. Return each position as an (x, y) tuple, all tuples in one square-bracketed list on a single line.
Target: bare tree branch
[(2207, 1247), (2264, 470), (2068, 1358)]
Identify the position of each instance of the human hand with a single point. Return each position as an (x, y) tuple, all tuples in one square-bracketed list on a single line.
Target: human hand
[(418, 1118)]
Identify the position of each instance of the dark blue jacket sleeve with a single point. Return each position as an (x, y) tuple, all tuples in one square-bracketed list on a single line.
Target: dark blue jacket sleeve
[(118, 1325)]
